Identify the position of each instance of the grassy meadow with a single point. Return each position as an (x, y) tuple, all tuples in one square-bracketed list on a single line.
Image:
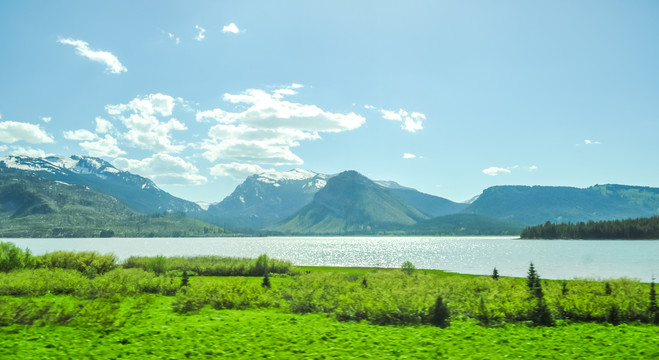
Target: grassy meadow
[(86, 305)]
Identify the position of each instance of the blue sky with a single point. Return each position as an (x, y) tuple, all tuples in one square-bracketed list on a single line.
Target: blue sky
[(446, 97)]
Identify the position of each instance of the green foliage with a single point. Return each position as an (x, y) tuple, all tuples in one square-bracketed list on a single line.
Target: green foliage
[(87, 262), (185, 279), (12, 257), (145, 328), (408, 268), (439, 313), (642, 228), (212, 265), (266, 282), (533, 283), (495, 274)]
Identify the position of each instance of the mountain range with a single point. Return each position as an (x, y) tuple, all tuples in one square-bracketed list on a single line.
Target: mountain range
[(51, 192)]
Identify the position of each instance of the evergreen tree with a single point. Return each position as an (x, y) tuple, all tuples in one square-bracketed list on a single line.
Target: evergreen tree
[(531, 277), (613, 315), (495, 274), (364, 283), (607, 288), (185, 279), (440, 314), (266, 282), (652, 308), (533, 283), (541, 315)]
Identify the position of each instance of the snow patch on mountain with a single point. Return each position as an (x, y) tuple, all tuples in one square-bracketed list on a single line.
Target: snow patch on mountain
[(295, 174), (392, 185)]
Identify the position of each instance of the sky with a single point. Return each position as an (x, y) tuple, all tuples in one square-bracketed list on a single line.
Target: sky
[(448, 97)]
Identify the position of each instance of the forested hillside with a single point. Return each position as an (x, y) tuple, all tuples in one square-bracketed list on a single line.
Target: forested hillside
[(643, 228)]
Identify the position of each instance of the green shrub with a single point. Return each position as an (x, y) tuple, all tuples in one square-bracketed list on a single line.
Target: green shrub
[(87, 262), (13, 258), (211, 265), (408, 268)]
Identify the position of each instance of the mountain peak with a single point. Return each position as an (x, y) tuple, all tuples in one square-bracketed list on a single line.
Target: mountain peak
[(294, 174)]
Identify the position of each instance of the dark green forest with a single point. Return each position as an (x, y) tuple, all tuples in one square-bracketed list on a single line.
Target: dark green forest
[(642, 228)]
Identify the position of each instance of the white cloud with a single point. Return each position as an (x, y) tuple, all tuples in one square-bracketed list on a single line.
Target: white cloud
[(231, 28), (106, 146), (80, 135), (46, 119), (21, 151), (111, 62), (533, 168), (200, 36), (145, 130), (236, 170), (591, 142), (163, 169), (103, 126), (409, 156), (410, 122), (494, 171), (3, 148), (269, 127), (174, 38), (12, 131)]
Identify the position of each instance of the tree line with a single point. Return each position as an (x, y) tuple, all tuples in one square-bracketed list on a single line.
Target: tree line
[(641, 228)]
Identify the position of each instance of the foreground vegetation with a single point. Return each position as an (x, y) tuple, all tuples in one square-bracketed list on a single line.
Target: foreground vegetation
[(144, 328), (67, 304), (642, 228)]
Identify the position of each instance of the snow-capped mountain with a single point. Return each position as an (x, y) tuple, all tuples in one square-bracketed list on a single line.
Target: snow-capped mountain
[(137, 192), (266, 198)]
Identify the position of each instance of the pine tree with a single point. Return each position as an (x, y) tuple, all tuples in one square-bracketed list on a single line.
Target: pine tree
[(439, 313), (266, 282), (533, 283), (531, 277), (495, 274), (652, 308), (364, 283), (185, 279), (607, 288)]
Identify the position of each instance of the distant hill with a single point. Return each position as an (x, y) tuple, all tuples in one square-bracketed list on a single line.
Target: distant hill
[(351, 203), (429, 204), (264, 199), (32, 205), (465, 225), (533, 205)]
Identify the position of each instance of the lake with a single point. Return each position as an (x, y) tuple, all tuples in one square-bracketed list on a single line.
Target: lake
[(553, 259)]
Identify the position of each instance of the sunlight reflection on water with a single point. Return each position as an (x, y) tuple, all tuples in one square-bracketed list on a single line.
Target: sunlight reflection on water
[(554, 259)]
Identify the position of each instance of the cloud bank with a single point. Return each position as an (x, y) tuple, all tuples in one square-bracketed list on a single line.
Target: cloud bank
[(269, 127)]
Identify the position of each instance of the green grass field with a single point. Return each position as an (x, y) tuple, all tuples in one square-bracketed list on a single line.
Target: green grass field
[(150, 330)]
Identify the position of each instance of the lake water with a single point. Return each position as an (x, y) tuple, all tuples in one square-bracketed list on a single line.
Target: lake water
[(554, 259)]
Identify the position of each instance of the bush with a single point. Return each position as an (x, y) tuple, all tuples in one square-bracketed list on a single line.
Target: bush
[(87, 262), (13, 258), (212, 265), (408, 268)]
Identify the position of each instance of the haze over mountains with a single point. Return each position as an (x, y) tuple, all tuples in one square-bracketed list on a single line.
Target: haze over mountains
[(57, 190)]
